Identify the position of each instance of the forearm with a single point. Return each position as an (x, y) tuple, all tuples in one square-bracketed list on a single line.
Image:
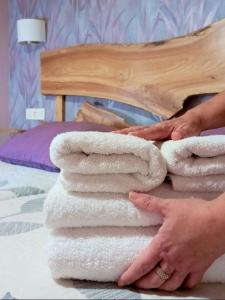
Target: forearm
[(211, 114)]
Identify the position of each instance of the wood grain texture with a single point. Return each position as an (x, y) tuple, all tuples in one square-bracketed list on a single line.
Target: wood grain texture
[(157, 77), (60, 108), (91, 113)]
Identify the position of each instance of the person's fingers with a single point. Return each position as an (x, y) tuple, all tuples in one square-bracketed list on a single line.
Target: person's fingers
[(175, 129), (158, 131), (130, 129), (152, 280), (174, 282), (149, 203), (176, 135), (192, 280), (183, 131), (145, 134), (143, 264)]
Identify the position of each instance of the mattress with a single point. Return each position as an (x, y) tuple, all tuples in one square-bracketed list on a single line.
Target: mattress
[(24, 272)]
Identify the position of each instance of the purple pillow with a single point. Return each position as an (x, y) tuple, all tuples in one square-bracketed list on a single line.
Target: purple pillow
[(31, 149), (219, 131)]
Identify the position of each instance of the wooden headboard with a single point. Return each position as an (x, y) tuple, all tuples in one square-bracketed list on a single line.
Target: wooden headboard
[(156, 77)]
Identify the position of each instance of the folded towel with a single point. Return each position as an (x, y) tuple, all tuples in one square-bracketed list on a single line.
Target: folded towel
[(107, 162), (72, 209), (103, 254), (195, 156), (196, 164), (209, 183)]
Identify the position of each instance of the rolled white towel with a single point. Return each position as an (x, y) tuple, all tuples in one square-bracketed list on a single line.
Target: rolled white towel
[(107, 162), (195, 156), (196, 164), (72, 209), (103, 254)]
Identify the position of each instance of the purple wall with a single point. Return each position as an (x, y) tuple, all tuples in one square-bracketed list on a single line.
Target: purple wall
[(4, 63)]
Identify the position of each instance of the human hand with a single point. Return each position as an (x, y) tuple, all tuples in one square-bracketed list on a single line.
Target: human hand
[(187, 125), (189, 240)]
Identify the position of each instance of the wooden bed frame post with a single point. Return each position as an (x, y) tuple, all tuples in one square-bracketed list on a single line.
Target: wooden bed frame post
[(60, 108)]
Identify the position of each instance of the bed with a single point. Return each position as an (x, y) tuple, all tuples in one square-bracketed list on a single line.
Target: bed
[(24, 273)]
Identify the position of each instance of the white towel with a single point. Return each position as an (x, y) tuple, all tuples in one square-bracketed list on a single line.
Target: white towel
[(209, 183), (103, 254), (107, 162), (195, 156), (71, 209), (196, 163)]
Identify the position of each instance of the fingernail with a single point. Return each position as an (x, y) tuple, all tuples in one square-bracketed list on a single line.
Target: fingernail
[(121, 284), (132, 195)]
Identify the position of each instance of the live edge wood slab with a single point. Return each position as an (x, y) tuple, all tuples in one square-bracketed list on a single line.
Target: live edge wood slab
[(156, 77)]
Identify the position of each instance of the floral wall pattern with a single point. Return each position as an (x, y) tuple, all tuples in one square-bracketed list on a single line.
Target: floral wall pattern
[(71, 22)]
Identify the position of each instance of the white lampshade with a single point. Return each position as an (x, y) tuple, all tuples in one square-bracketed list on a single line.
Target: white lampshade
[(31, 31)]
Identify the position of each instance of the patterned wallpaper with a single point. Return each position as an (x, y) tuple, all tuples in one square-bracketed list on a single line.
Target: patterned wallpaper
[(73, 22)]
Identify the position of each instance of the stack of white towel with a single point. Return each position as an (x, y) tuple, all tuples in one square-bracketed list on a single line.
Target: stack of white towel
[(96, 232)]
